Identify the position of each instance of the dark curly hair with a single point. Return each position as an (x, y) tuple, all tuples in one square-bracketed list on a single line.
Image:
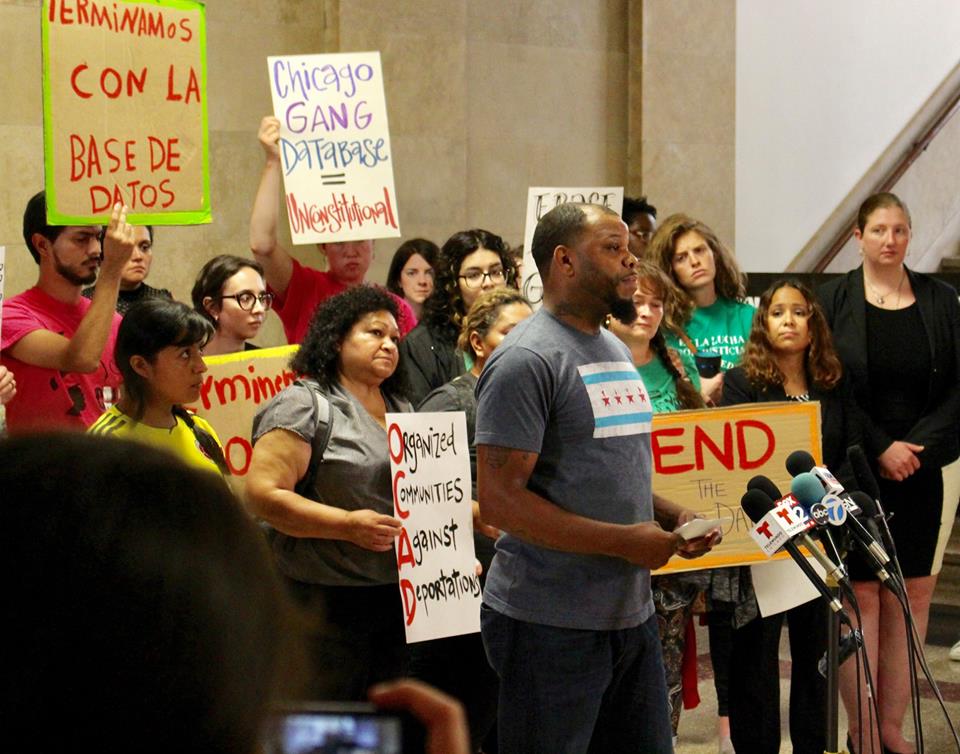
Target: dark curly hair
[(822, 363), (444, 311), (319, 353), (426, 249)]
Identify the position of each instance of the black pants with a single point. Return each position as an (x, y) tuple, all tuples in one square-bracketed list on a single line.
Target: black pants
[(355, 638), (755, 682), (458, 665), (720, 630)]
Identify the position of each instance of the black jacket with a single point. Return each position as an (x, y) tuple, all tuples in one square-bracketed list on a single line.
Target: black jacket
[(428, 361), (937, 429), (840, 418)]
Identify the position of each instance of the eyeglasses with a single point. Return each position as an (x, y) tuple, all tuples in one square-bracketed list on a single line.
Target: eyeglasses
[(246, 300), (643, 235), (475, 278)]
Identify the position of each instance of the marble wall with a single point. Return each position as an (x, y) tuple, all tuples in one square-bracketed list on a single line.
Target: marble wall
[(686, 108), (485, 98)]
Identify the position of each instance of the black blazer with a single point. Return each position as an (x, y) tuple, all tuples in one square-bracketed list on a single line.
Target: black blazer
[(840, 419), (937, 429), (428, 361)]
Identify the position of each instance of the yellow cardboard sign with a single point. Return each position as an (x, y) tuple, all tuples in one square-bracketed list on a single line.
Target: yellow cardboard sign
[(703, 460), (234, 388)]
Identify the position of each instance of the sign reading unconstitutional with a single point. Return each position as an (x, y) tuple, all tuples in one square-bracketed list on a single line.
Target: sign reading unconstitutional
[(125, 111), (334, 146), (430, 468), (703, 460)]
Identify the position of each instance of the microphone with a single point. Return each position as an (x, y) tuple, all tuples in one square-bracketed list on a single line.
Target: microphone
[(866, 532), (868, 483), (829, 508), (800, 461), (834, 569), (760, 509), (765, 484), (808, 490), (870, 515)]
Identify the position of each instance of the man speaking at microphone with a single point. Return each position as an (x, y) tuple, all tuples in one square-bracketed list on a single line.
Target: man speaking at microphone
[(564, 469)]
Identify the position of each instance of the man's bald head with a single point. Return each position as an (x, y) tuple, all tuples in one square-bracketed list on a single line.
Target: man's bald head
[(562, 226)]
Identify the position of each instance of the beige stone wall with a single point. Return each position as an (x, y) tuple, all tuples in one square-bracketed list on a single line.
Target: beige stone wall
[(488, 97), (485, 98), (687, 108)]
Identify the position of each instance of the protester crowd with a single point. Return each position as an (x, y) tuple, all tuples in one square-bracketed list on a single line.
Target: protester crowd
[(567, 581)]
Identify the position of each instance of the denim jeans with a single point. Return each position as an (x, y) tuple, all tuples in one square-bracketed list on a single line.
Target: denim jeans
[(570, 691)]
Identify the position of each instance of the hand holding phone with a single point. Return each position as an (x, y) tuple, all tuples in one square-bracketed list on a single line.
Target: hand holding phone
[(697, 527)]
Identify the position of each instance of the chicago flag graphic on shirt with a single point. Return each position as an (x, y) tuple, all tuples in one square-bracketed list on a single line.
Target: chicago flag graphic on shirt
[(618, 398)]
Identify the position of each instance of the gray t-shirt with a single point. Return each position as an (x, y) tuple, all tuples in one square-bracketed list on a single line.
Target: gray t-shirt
[(354, 474), (576, 400)]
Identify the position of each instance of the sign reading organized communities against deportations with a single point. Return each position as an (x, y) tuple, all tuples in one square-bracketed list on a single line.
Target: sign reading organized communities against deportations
[(703, 460), (125, 111), (430, 469), (541, 200), (334, 146)]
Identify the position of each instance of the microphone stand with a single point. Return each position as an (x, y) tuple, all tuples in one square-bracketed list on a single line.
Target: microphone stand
[(832, 718)]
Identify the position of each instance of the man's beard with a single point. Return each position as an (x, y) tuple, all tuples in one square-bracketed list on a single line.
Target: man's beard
[(623, 309), (72, 277)]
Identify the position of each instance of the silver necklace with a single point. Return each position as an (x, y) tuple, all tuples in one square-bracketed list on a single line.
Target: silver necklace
[(882, 297)]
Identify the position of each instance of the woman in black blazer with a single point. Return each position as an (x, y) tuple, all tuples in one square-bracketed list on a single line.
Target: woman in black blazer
[(898, 335), (789, 357)]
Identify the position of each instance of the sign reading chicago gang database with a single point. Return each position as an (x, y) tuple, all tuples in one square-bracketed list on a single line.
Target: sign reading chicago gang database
[(125, 111), (334, 146)]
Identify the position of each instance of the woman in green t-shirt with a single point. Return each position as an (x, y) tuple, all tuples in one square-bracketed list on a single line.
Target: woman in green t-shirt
[(709, 315)]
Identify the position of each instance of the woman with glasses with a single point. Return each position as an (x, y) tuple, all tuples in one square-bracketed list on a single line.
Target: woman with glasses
[(231, 293), (469, 263)]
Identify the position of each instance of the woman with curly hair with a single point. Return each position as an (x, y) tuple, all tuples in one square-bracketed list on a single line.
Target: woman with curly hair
[(709, 315), (470, 262), (320, 479), (789, 357), (411, 272)]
